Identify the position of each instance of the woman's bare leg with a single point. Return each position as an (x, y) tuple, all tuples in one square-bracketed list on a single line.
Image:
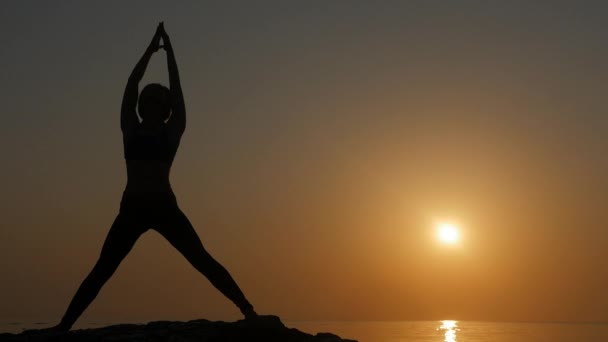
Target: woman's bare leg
[(118, 243), (180, 233)]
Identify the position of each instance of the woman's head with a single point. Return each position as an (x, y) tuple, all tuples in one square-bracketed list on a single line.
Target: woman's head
[(154, 103)]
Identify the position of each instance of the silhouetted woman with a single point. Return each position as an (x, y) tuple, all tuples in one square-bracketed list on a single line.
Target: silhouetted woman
[(148, 201)]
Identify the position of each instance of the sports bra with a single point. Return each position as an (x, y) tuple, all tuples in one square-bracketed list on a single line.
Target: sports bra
[(150, 147)]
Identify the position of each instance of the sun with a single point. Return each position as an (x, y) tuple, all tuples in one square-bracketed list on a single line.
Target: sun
[(447, 233)]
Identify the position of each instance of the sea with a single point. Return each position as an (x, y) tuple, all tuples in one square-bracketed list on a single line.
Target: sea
[(423, 331)]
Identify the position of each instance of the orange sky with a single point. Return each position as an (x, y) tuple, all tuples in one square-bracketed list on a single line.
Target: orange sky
[(323, 142)]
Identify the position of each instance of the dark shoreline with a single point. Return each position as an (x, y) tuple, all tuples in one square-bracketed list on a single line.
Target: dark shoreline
[(265, 328)]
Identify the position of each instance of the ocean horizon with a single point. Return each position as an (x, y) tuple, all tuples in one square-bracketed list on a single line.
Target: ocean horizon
[(409, 331)]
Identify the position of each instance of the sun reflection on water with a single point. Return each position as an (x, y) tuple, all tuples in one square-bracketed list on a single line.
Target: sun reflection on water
[(449, 329)]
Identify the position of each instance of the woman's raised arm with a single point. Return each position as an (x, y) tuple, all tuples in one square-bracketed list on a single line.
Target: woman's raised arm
[(177, 122), (128, 114)]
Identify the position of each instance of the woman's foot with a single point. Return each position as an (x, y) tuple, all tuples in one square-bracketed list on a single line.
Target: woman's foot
[(248, 312), (59, 328)]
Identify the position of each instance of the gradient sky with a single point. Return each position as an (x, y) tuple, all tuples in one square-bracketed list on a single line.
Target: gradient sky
[(324, 139)]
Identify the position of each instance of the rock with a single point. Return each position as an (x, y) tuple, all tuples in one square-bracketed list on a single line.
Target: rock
[(261, 329)]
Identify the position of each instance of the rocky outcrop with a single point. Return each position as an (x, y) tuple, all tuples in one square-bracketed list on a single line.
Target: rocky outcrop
[(262, 329)]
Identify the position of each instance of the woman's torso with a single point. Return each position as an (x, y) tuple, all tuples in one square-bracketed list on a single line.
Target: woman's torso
[(145, 176), (149, 154)]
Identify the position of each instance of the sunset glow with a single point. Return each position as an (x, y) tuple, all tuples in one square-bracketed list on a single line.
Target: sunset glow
[(364, 161)]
